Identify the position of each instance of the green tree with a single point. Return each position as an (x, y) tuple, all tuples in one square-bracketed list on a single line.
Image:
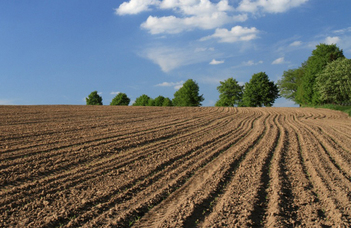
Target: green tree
[(321, 56), (259, 91), (151, 102), (188, 95), (290, 82), (334, 82), (120, 99), (167, 102), (230, 93), (94, 99), (159, 101), (143, 100)]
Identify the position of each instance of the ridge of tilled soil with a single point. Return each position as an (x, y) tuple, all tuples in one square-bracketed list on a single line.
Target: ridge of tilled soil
[(86, 166)]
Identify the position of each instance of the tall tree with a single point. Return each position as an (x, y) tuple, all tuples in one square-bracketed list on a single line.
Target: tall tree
[(230, 93), (94, 99), (188, 95), (120, 99), (334, 82), (290, 82), (321, 56), (259, 91), (143, 100)]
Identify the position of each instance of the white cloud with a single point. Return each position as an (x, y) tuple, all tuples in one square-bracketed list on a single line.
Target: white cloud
[(175, 85), (173, 25), (295, 44), (215, 62), (332, 40), (343, 31), (236, 34), (135, 6), (167, 58), (196, 7), (279, 61), (270, 6), (252, 63), (170, 58), (115, 93), (202, 14)]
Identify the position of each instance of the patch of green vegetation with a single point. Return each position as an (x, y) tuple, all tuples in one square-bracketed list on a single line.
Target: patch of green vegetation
[(343, 108)]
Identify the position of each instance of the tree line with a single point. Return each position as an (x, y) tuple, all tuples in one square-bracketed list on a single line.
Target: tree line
[(187, 95), (325, 78)]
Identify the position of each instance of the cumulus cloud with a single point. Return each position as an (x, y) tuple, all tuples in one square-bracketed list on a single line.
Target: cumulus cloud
[(202, 14), (115, 93), (236, 34), (269, 6), (278, 61), (215, 62), (175, 85), (332, 40), (173, 25), (135, 6)]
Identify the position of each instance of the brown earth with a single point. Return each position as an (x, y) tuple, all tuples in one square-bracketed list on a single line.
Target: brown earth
[(73, 166)]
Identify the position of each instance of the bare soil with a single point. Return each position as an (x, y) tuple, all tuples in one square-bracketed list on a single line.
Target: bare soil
[(102, 166)]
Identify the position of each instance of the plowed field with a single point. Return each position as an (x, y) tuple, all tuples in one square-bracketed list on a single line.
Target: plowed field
[(73, 166)]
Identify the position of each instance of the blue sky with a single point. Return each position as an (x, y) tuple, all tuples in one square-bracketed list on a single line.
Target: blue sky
[(57, 52)]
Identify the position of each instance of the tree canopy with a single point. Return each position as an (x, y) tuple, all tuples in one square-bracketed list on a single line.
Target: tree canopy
[(321, 56), (143, 100), (120, 99), (316, 81), (230, 93), (94, 99), (167, 102), (290, 82), (158, 101), (259, 91), (188, 95), (334, 82)]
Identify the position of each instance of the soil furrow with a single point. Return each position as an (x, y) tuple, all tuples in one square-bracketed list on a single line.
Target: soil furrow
[(96, 171), (333, 209), (154, 179), (194, 193), (88, 166)]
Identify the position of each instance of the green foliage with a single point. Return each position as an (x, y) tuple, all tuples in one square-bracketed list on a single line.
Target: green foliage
[(120, 99), (230, 93), (321, 56), (94, 99), (334, 82), (159, 101), (151, 102), (259, 91), (167, 102), (188, 95), (290, 82), (143, 100), (343, 108)]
